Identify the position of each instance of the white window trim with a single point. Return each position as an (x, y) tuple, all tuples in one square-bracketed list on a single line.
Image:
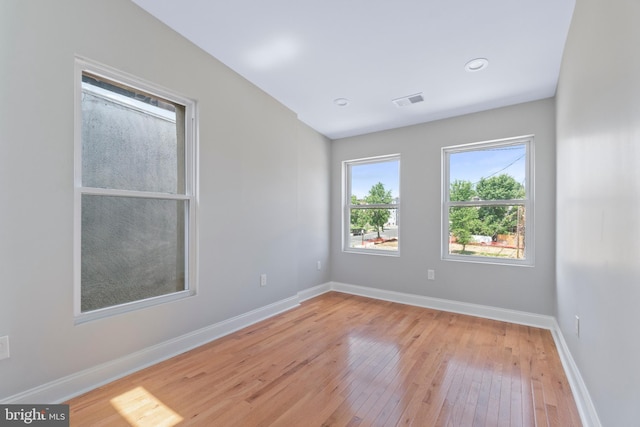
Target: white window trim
[(527, 202), (346, 202), (190, 193)]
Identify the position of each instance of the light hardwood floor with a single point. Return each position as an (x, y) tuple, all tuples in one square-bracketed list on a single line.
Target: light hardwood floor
[(344, 360)]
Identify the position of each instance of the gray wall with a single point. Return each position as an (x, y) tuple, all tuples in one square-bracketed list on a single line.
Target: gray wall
[(528, 289), (264, 185), (598, 220)]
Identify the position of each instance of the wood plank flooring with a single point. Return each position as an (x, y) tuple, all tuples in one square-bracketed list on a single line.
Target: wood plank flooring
[(344, 360)]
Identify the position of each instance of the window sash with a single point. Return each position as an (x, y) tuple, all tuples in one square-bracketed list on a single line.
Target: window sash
[(349, 206), (526, 202), (133, 249), (186, 124), (375, 206), (499, 202), (134, 193)]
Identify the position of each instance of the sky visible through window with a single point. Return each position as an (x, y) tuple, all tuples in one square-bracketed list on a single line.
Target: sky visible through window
[(486, 163), (465, 166), (365, 176)]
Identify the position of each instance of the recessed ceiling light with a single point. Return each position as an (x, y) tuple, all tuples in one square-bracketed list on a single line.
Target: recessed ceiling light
[(341, 102), (476, 65)]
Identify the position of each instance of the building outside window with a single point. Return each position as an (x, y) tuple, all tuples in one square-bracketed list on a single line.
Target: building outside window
[(487, 207), (135, 193), (372, 205)]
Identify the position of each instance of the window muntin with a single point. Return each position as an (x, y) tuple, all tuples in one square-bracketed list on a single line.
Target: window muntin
[(372, 205), (487, 202), (135, 193)]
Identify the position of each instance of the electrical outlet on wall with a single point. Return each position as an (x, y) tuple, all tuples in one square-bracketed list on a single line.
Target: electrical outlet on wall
[(431, 275), (263, 279), (4, 347)]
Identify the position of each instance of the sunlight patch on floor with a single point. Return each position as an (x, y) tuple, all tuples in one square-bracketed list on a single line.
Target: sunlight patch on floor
[(141, 409)]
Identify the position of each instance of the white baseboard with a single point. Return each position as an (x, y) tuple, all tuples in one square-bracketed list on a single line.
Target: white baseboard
[(314, 292), (505, 315), (73, 385), (587, 410)]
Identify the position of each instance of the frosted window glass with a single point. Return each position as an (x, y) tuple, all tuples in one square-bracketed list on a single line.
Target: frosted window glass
[(132, 249), (128, 144)]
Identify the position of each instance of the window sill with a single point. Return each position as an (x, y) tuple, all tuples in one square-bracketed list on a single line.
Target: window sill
[(102, 313)]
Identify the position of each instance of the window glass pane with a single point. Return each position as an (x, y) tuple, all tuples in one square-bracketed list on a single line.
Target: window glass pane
[(132, 249), (488, 231), (375, 182), (130, 140), (365, 234), (491, 173)]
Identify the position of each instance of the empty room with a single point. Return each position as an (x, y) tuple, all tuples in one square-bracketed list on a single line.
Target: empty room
[(320, 213)]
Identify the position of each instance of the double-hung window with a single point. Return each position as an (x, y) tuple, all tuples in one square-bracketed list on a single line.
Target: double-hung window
[(135, 187), (487, 207), (371, 219)]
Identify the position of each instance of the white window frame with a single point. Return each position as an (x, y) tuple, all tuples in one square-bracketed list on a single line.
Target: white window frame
[(189, 196), (527, 202), (347, 206)]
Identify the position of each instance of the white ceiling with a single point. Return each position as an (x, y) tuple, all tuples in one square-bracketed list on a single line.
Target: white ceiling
[(307, 53)]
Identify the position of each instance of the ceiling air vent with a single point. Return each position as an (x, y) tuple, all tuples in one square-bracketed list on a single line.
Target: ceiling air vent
[(408, 100)]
